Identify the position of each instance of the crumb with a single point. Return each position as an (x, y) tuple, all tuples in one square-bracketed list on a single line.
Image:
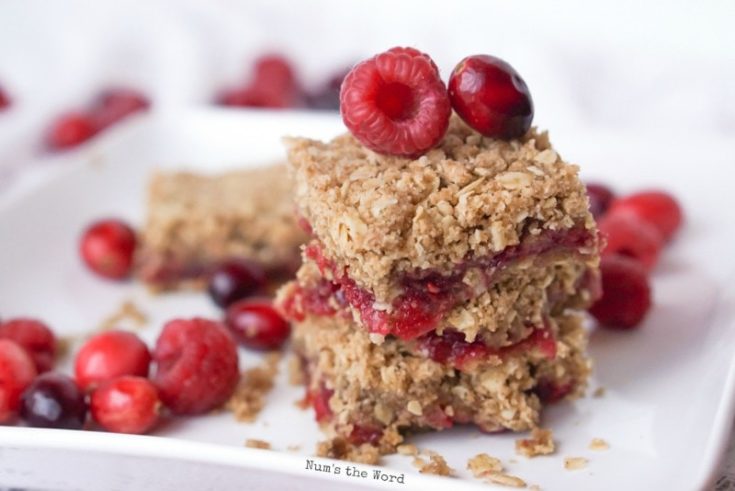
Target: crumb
[(599, 392), (482, 464), (534, 487), (303, 403), (575, 463), (437, 466), (541, 442), (407, 449), (255, 443), (293, 448), (506, 480), (295, 371), (126, 311), (339, 448), (598, 444), (255, 384)]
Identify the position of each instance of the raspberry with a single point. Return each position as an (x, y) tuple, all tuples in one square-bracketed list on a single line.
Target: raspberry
[(197, 366), (71, 130), (17, 371), (107, 247), (395, 103), (109, 355), (630, 236), (126, 405), (600, 197), (257, 325), (658, 208), (35, 337), (626, 294)]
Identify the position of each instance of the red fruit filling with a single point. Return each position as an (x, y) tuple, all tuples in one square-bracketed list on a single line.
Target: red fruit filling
[(550, 391), (35, 337), (395, 103), (17, 371), (109, 355), (628, 235), (365, 434), (657, 208), (626, 296), (319, 400)]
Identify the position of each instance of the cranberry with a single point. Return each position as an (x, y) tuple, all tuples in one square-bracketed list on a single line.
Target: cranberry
[(365, 434), (35, 337), (115, 104), (395, 103), (490, 96), (126, 405), (630, 236), (550, 391), (256, 324), (327, 97), (234, 280), (53, 400), (109, 355), (107, 247), (658, 208), (626, 294), (4, 99), (197, 365), (600, 197), (17, 371), (71, 130)]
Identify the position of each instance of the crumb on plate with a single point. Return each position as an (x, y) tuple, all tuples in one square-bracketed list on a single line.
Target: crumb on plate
[(541, 442), (575, 463)]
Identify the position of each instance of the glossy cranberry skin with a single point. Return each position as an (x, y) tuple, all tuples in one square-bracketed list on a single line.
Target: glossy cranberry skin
[(491, 97), (53, 400), (116, 104), (600, 197), (658, 208), (234, 280), (196, 365), (107, 248), (35, 337), (17, 371), (630, 236), (256, 324), (71, 130), (126, 405), (626, 293), (109, 355)]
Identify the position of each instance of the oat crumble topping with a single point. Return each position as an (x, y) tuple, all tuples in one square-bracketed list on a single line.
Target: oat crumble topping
[(483, 464), (127, 311), (253, 388)]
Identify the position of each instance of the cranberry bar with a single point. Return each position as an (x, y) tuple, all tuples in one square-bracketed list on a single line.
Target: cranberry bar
[(196, 221)]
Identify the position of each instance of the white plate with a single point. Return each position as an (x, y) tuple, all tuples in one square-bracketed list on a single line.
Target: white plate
[(669, 401)]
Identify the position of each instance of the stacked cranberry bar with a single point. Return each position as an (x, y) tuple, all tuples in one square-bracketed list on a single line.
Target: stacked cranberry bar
[(442, 289), (196, 221)]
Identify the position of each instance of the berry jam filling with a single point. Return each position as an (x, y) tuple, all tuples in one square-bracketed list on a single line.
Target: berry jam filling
[(550, 391), (319, 400), (428, 295)]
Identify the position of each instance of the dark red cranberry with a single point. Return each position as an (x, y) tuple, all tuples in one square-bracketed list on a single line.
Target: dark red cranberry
[(4, 99), (126, 405), (491, 97), (53, 400), (116, 104), (35, 337), (257, 325), (197, 365), (395, 103), (107, 248), (235, 280), (626, 293), (71, 130), (109, 355), (17, 371), (600, 197), (658, 208), (628, 235)]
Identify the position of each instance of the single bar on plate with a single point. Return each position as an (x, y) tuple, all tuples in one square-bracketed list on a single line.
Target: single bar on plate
[(409, 242), (195, 221)]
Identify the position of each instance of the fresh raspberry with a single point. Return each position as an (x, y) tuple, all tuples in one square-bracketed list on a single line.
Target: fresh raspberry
[(53, 400), (71, 130), (234, 280), (115, 104), (600, 197), (395, 103), (35, 337), (658, 208), (197, 365), (413, 52), (107, 247), (626, 294), (256, 324), (109, 355), (126, 405), (17, 371), (630, 236)]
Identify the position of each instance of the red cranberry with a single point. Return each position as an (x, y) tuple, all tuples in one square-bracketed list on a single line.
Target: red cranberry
[(107, 247), (197, 365), (491, 97), (126, 405), (35, 337), (395, 103), (600, 197), (115, 104), (17, 371), (109, 355), (256, 324), (626, 295), (658, 208), (4, 99), (234, 280), (630, 236), (71, 130), (53, 400)]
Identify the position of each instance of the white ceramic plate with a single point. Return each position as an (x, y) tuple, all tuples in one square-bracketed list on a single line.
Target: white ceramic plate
[(669, 401)]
